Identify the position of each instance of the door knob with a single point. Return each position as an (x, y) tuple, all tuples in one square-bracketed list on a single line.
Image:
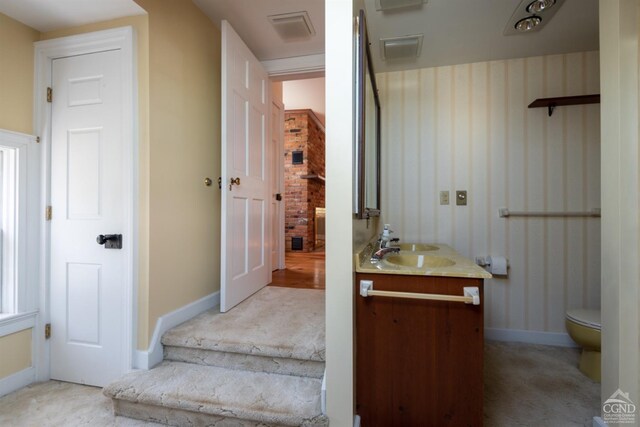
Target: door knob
[(110, 241), (234, 181)]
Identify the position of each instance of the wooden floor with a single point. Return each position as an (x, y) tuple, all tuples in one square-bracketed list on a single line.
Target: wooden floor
[(304, 270)]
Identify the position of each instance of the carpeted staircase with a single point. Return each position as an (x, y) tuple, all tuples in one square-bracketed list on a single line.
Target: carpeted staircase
[(260, 364)]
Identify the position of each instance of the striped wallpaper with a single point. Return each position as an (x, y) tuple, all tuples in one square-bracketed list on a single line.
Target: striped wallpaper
[(467, 127)]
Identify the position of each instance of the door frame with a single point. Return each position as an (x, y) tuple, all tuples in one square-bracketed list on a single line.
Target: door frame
[(122, 38), (288, 69), (279, 153)]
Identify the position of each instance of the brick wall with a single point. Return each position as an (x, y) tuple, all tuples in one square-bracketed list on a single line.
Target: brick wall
[(302, 132)]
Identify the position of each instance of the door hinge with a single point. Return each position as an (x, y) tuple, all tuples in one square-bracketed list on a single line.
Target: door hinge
[(48, 213), (49, 94), (47, 331)]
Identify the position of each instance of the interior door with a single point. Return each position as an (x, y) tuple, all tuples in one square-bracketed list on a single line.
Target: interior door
[(246, 260), (277, 185), (87, 196)]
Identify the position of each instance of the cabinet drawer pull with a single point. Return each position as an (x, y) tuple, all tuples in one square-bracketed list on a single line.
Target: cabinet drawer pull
[(471, 294)]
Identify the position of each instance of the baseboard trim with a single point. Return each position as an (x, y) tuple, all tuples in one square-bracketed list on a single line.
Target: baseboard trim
[(18, 380), (147, 359), (558, 339)]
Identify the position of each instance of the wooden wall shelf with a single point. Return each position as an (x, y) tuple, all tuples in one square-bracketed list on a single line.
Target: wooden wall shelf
[(552, 103), (320, 177)]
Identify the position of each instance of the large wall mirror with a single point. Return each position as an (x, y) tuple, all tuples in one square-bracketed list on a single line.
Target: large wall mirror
[(367, 132)]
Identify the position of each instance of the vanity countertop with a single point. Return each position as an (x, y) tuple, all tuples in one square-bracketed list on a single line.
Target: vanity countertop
[(441, 256)]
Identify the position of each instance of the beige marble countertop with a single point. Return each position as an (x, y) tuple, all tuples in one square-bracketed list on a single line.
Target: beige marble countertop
[(435, 266)]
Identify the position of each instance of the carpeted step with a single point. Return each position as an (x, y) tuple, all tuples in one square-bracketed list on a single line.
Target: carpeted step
[(247, 362), (277, 330), (176, 393)]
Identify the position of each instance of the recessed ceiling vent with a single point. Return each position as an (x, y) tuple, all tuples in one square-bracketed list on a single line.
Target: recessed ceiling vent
[(396, 4), (401, 48), (293, 27)]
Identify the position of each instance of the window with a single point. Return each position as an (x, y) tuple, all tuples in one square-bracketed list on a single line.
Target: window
[(8, 229), (13, 223)]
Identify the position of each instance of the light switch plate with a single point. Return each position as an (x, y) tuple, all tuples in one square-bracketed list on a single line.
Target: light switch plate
[(461, 198), (444, 197)]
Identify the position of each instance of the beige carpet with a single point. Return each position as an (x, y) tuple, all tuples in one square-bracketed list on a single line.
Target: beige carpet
[(260, 364), (536, 385), (58, 404), (188, 394), (525, 385), (274, 322)]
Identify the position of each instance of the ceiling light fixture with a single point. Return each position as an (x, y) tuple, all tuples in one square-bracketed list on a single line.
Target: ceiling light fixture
[(538, 6), (528, 23), (531, 16)]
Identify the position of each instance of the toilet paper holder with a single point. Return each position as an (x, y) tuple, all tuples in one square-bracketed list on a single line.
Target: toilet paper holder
[(497, 265)]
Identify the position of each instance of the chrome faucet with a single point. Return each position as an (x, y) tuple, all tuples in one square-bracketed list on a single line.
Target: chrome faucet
[(383, 245), (380, 253)]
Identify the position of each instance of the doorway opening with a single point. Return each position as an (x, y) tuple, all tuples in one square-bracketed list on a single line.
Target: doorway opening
[(302, 172)]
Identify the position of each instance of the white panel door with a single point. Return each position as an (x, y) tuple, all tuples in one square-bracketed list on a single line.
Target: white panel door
[(246, 260), (276, 152), (87, 196)]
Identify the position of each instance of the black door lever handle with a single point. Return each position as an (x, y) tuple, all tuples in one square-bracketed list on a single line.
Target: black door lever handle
[(110, 241)]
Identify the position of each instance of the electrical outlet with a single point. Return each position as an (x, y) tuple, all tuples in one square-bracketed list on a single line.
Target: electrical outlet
[(461, 198), (444, 197)]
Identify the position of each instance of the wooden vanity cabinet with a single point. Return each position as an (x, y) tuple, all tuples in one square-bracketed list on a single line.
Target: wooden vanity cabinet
[(418, 362)]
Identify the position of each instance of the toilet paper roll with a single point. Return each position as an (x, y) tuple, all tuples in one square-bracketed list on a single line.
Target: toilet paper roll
[(498, 265)]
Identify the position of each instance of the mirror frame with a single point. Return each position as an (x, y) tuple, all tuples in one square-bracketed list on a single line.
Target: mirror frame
[(364, 65)]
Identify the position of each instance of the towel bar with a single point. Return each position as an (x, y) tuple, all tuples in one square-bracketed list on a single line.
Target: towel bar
[(471, 294), (505, 213)]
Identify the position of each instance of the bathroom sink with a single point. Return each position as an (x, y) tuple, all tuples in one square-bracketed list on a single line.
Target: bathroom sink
[(416, 247), (419, 261)]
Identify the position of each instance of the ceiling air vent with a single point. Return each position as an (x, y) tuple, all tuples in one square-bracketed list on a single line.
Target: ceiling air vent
[(405, 47), (293, 26), (396, 4)]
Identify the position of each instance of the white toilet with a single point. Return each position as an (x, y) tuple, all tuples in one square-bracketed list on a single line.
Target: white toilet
[(584, 328)]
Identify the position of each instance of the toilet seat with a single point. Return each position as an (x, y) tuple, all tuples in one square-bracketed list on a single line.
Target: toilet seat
[(584, 317)]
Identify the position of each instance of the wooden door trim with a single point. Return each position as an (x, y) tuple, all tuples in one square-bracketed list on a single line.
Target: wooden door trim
[(279, 153)]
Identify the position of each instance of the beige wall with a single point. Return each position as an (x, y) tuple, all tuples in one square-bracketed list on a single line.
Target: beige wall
[(179, 117), (276, 91), (184, 219), (15, 352), (16, 75), (467, 127), (16, 114), (305, 94), (619, 44), (179, 145)]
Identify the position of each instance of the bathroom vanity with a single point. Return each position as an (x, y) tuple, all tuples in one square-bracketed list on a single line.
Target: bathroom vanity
[(419, 361)]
